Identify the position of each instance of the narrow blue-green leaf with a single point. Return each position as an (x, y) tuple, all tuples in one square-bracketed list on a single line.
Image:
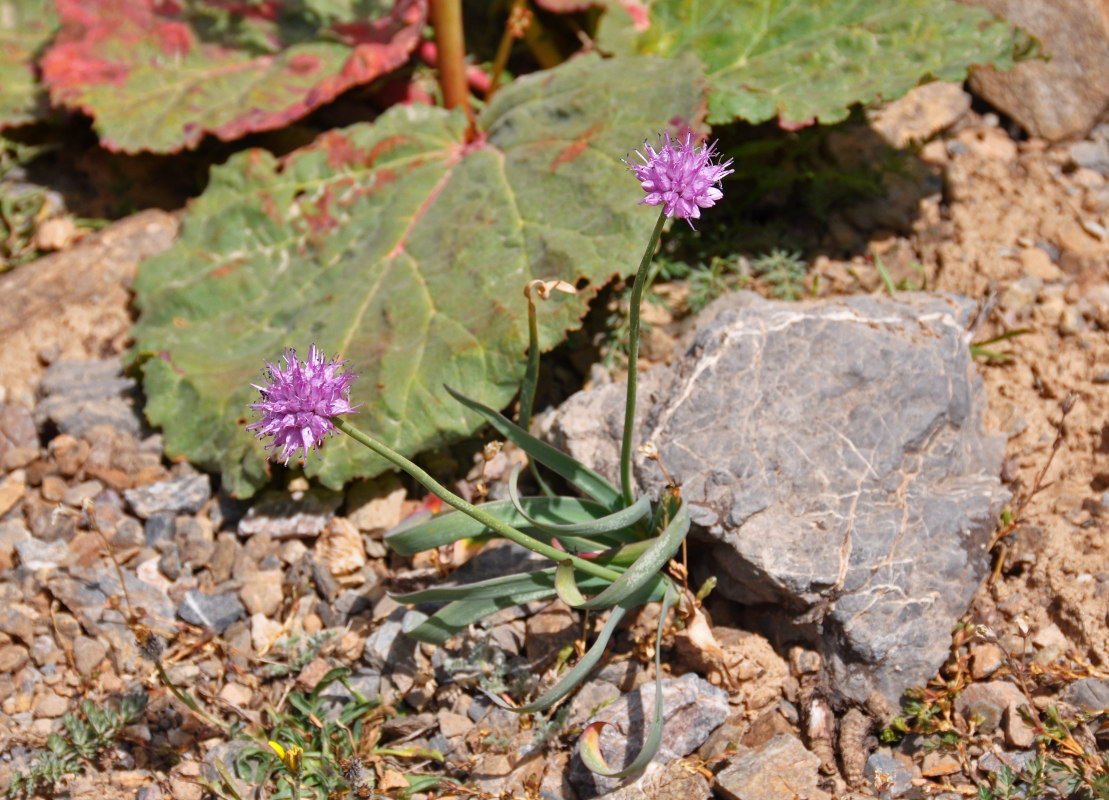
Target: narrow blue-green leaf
[(451, 526), (584, 479), (590, 746), (493, 588), (646, 567), (460, 614), (615, 523), (575, 676)]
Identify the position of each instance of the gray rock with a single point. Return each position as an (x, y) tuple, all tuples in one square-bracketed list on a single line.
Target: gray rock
[(129, 533), (1091, 693), (35, 554), (185, 495), (284, 516), (1091, 154), (159, 528), (85, 591), (79, 395), (894, 778), (17, 427), (834, 453), (778, 769), (88, 653), (1061, 97), (212, 611), (693, 707)]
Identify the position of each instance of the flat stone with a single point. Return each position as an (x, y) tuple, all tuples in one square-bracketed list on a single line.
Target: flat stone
[(263, 632), (693, 707), (185, 495), (79, 395), (779, 769), (18, 620), (159, 528), (12, 488), (88, 653), (923, 112), (888, 776), (12, 658), (17, 427), (50, 705), (451, 724), (212, 611), (263, 594), (35, 554), (283, 515), (1091, 693), (834, 453)]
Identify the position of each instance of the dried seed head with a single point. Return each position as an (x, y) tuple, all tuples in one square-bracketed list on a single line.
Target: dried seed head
[(151, 644)]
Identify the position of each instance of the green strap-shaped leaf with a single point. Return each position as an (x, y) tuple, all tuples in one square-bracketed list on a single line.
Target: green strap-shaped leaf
[(575, 676), (451, 526), (643, 570), (614, 523), (458, 615), (590, 750), (493, 588), (584, 479)]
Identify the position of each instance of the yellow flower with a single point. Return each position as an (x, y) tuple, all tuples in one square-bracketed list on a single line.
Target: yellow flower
[(290, 758)]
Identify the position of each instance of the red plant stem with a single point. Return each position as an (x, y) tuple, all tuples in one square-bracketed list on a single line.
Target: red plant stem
[(446, 18)]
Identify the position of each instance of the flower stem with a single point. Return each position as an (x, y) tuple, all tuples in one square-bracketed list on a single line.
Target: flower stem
[(642, 278), (527, 388), (446, 19), (451, 499)]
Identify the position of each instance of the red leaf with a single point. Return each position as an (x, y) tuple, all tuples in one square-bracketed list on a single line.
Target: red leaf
[(149, 79)]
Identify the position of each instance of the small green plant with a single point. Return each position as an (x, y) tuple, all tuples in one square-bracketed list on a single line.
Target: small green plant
[(982, 349), (88, 734), (784, 270), (300, 653), (318, 754)]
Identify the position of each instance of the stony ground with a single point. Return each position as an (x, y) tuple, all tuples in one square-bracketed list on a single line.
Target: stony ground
[(255, 603)]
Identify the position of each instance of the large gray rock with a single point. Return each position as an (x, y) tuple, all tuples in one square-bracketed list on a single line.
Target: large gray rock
[(834, 454)]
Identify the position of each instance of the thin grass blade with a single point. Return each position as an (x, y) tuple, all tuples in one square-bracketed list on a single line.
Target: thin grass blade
[(459, 614)]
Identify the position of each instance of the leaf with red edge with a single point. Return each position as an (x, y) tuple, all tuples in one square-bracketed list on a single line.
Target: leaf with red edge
[(25, 27), (155, 77)]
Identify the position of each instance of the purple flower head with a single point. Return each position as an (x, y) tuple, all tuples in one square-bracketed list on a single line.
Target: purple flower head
[(680, 176), (299, 401)]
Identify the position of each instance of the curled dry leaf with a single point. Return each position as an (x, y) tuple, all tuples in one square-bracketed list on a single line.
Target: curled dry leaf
[(341, 548)]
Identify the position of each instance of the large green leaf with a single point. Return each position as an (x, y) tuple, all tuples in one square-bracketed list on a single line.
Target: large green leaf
[(157, 76), (25, 28), (804, 61), (405, 248)]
